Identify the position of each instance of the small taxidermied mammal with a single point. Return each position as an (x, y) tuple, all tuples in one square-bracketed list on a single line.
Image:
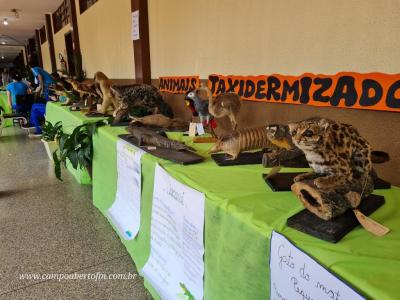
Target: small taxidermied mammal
[(252, 138), (336, 152), (160, 120), (226, 105), (139, 95), (147, 137), (104, 89)]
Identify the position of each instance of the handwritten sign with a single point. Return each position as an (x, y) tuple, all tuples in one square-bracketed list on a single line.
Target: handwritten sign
[(295, 275), (125, 211), (135, 26), (179, 84), (175, 267), (372, 91)]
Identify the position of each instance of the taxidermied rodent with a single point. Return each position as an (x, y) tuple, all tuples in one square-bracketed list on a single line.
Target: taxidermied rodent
[(160, 120), (336, 152), (139, 95), (226, 105), (147, 137), (103, 85)]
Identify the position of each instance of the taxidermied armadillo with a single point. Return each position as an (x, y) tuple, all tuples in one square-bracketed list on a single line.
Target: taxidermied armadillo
[(148, 137), (272, 136), (242, 140)]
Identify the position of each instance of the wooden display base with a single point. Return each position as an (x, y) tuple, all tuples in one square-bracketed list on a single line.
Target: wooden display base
[(282, 182), (123, 124), (333, 230), (205, 140), (95, 114), (244, 158), (181, 157)]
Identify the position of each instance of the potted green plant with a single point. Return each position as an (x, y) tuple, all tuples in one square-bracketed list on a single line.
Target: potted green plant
[(50, 134), (77, 148)]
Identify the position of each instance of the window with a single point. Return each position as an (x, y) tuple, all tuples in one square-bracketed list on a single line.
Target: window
[(85, 4), (61, 16), (42, 34)]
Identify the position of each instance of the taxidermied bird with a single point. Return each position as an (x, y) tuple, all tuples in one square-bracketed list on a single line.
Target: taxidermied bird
[(198, 104)]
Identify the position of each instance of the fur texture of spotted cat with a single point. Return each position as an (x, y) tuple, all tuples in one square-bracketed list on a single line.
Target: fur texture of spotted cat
[(336, 152), (139, 95)]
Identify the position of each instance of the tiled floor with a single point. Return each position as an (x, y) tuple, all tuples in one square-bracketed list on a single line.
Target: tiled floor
[(51, 227)]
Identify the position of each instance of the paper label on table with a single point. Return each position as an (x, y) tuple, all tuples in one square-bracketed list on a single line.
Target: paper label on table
[(295, 275), (125, 211), (192, 129), (200, 129), (175, 267), (135, 25)]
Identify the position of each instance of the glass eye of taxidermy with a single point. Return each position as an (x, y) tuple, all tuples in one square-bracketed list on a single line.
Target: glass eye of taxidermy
[(308, 133), (294, 132)]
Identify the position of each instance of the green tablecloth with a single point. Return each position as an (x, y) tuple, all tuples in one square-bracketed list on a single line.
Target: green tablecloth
[(70, 120), (5, 106), (240, 213)]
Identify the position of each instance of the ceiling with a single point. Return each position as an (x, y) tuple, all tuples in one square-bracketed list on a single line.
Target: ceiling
[(19, 30)]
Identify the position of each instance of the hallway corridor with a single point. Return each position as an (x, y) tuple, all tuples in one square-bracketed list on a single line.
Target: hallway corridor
[(51, 227)]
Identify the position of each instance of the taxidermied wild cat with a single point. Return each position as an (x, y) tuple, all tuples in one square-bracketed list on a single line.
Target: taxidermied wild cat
[(139, 95), (335, 151)]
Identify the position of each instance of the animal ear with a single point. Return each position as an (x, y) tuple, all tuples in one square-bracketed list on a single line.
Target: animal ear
[(324, 124), (292, 127)]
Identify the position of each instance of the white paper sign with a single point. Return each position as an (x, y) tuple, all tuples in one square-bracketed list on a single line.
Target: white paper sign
[(125, 211), (295, 275), (200, 129), (135, 25), (175, 267)]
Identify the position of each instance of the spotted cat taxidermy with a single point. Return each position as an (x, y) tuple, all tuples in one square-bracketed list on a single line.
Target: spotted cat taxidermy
[(139, 96), (336, 152)]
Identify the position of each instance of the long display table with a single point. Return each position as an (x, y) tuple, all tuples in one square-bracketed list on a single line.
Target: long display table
[(240, 213), (5, 106), (70, 120)]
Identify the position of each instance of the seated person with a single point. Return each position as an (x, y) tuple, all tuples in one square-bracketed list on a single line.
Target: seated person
[(14, 89), (39, 109)]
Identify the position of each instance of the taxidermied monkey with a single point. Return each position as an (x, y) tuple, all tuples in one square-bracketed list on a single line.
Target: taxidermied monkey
[(109, 98)]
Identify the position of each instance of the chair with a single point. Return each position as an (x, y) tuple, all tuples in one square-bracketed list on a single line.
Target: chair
[(15, 117)]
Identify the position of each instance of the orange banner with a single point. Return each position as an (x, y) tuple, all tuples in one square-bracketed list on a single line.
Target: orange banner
[(179, 84), (373, 91)]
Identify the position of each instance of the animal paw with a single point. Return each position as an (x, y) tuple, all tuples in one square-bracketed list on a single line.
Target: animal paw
[(302, 177), (323, 183)]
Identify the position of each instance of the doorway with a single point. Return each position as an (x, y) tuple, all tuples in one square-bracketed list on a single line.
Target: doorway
[(69, 46)]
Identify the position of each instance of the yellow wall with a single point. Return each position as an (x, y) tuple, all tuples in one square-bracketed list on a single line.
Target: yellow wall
[(269, 36), (46, 57), (105, 37), (59, 44)]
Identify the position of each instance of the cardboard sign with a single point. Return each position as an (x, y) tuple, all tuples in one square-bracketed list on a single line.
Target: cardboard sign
[(295, 275), (175, 267), (179, 84), (372, 91)]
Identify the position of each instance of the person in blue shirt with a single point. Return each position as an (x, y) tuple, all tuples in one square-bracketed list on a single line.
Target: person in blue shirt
[(14, 89), (39, 109)]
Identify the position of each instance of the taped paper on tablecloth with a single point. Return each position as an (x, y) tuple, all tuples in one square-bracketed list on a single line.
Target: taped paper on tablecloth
[(175, 267), (125, 211), (295, 275)]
